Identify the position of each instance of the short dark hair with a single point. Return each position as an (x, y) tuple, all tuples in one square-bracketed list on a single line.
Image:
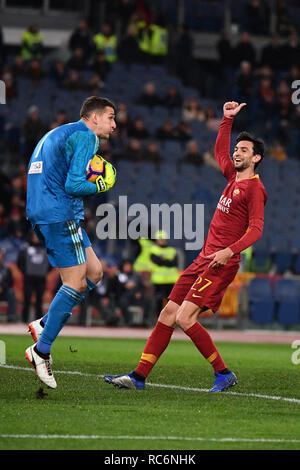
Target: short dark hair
[(95, 103), (258, 144)]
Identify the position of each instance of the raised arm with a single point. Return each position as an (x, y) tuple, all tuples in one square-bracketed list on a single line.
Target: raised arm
[(84, 149), (222, 147)]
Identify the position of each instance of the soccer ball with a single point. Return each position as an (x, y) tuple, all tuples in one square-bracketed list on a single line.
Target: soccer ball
[(95, 168)]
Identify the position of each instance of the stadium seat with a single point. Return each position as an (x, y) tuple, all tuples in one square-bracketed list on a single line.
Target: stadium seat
[(261, 301), (287, 302)]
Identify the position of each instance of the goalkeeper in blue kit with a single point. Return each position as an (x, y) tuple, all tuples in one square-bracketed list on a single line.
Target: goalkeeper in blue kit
[(56, 184)]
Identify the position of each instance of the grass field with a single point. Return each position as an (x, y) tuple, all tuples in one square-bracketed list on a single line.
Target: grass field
[(175, 412)]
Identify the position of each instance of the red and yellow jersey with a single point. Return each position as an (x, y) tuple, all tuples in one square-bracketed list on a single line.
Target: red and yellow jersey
[(239, 217)]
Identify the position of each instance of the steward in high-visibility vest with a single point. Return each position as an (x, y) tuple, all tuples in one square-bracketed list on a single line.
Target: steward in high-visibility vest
[(159, 40), (164, 261), (143, 261), (152, 39), (32, 44), (143, 36), (164, 269), (106, 43)]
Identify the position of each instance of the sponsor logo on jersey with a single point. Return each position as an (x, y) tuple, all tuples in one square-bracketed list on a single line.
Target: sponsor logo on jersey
[(224, 204), (35, 167)]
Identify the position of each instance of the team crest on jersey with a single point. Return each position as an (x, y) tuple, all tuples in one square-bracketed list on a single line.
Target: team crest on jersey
[(236, 192)]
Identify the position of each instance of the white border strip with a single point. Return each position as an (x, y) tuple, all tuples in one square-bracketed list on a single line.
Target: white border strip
[(177, 387), (146, 438)]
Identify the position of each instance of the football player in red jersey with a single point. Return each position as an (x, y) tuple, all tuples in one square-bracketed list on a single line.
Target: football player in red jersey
[(236, 225)]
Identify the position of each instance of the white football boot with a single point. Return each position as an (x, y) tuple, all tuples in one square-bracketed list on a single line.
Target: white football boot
[(36, 329), (42, 367)]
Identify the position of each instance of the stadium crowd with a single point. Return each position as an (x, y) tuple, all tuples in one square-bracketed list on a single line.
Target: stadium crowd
[(263, 79)]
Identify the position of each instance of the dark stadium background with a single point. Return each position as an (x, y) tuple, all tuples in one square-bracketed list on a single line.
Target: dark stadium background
[(217, 51)]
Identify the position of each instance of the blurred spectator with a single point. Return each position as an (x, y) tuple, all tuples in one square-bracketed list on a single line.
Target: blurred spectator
[(35, 72), (245, 81), (283, 115), (7, 293), (166, 131), (257, 17), (102, 298), (284, 24), (183, 54), (18, 67), (192, 110), (164, 269), (106, 42), (138, 129), (130, 292), (211, 119), (183, 132), (291, 51), (224, 49), (32, 44), (123, 121), (272, 53), (277, 151), (18, 199), (192, 155), (124, 12), (10, 85), (81, 39), (16, 225), (73, 81), (209, 158), (33, 128), (94, 84), (132, 152), (128, 49), (60, 119), (58, 72), (244, 50), (294, 74), (105, 149), (77, 61), (33, 263), (100, 65), (172, 98), (149, 96), (152, 154), (266, 91)]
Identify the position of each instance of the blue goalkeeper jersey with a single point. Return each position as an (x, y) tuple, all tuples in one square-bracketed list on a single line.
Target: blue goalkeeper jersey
[(56, 177)]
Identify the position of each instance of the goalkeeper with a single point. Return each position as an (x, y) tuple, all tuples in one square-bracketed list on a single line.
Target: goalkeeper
[(56, 184)]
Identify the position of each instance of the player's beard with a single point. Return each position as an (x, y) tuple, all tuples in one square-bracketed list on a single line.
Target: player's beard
[(244, 166)]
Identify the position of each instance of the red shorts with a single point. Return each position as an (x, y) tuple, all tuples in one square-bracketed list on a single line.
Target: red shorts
[(202, 286)]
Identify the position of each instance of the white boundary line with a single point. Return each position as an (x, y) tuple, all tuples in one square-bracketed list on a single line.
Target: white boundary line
[(177, 387), (147, 438)]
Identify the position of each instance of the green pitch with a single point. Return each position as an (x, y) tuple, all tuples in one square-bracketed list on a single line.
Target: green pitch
[(175, 412)]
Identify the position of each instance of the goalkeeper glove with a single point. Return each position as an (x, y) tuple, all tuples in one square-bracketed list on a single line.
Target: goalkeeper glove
[(107, 180)]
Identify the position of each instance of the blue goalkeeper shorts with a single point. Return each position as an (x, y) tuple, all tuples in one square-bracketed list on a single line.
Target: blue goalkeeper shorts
[(65, 242)]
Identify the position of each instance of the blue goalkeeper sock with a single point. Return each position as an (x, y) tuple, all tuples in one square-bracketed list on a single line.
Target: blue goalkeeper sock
[(59, 312), (90, 286)]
